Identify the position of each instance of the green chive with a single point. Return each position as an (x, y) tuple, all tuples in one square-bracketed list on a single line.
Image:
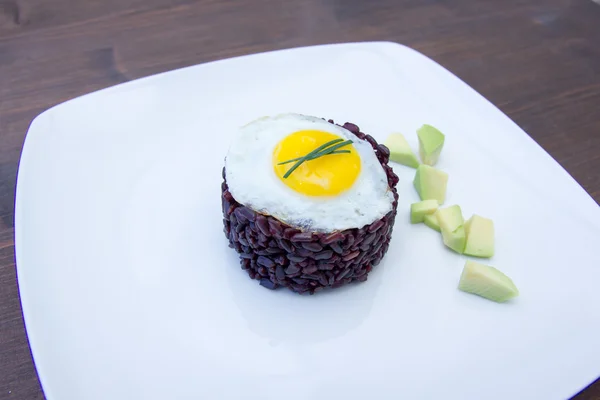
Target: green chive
[(333, 148), (312, 158), (300, 161), (316, 153)]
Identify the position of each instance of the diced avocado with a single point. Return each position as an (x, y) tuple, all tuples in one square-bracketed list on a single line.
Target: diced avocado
[(452, 227), (419, 210), (486, 281), (450, 218), (480, 237), (431, 183), (431, 142), (432, 222), (400, 151), (456, 239)]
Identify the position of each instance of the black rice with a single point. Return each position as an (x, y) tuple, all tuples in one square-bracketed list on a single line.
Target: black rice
[(278, 254)]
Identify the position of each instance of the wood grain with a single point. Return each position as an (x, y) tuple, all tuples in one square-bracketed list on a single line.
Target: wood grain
[(538, 61)]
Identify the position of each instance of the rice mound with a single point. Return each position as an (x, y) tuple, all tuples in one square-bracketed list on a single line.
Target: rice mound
[(278, 254)]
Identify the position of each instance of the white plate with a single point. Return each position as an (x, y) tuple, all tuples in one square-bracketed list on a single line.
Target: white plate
[(130, 292)]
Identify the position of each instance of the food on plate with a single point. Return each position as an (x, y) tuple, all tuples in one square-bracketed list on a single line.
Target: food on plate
[(480, 237), (431, 183), (487, 282), (400, 151), (432, 222), (474, 237), (419, 210), (452, 226), (431, 142), (307, 204)]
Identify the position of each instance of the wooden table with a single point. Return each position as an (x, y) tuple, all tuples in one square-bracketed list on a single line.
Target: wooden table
[(538, 60)]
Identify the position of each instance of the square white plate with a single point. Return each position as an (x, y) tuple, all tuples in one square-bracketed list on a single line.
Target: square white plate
[(130, 292)]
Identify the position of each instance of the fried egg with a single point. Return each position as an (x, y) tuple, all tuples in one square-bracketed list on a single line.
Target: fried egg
[(345, 190)]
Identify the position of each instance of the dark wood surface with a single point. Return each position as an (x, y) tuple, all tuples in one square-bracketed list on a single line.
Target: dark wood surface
[(537, 60)]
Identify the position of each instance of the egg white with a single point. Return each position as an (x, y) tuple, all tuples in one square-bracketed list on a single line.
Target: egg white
[(252, 180)]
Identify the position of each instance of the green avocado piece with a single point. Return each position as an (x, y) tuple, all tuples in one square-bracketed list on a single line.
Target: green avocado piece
[(400, 151), (456, 239), (487, 282), (450, 218), (419, 210), (431, 142), (431, 183), (452, 227), (480, 237), (431, 221)]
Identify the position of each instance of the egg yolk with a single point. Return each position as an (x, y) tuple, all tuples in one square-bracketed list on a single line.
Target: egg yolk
[(328, 175)]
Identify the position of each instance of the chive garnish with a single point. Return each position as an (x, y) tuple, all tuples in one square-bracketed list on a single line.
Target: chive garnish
[(334, 148), (323, 150), (312, 158)]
